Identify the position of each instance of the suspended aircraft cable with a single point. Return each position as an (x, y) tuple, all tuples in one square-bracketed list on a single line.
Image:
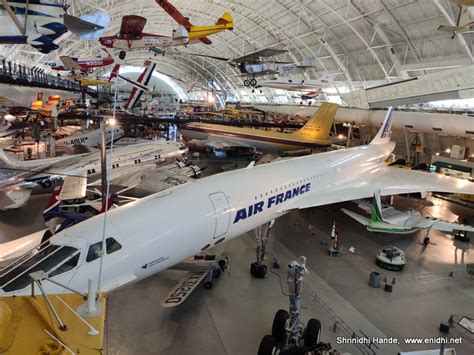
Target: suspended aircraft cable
[(106, 204)]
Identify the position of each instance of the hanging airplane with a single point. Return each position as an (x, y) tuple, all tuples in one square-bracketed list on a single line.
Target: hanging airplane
[(314, 134), (131, 35), (391, 220), (255, 64), (83, 65), (21, 177), (464, 23), (139, 86), (146, 236), (197, 33), (40, 23), (298, 84)]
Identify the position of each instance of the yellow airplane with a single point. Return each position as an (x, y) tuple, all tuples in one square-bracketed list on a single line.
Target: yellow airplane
[(225, 22), (314, 134)]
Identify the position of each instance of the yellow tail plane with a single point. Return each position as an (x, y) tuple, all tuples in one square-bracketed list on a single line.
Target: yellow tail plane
[(319, 125), (225, 22)]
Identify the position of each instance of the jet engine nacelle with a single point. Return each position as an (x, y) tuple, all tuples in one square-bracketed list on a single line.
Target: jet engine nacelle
[(51, 29), (43, 43)]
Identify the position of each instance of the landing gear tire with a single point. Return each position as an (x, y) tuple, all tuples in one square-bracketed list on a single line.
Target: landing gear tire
[(258, 271), (426, 241), (208, 285), (253, 82), (279, 325), (246, 83), (268, 345), (312, 333), (122, 55)]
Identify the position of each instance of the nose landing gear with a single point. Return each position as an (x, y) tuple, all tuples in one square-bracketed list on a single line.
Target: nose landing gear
[(258, 269)]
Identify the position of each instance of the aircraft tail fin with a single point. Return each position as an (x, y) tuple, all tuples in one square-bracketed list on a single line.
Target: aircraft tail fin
[(225, 19), (53, 200), (376, 209), (383, 135), (319, 125)]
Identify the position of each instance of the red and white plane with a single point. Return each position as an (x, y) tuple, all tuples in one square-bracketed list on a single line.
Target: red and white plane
[(139, 87), (85, 65), (131, 36)]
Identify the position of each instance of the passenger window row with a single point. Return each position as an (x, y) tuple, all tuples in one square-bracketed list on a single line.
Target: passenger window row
[(293, 184)]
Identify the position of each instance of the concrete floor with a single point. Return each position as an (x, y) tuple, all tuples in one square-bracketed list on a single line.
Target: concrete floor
[(233, 316)]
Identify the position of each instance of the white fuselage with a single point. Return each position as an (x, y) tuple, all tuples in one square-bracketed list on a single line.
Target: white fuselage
[(292, 84), (167, 227), (92, 138)]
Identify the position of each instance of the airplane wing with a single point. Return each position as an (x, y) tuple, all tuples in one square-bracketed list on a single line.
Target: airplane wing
[(437, 224), (132, 27), (361, 219), (183, 289), (69, 63), (179, 18), (74, 187), (389, 181), (262, 53), (174, 13)]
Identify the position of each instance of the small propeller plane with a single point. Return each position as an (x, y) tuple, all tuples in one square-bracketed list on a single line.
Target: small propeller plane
[(256, 64), (84, 65), (464, 23), (391, 220), (131, 35), (39, 24), (139, 86)]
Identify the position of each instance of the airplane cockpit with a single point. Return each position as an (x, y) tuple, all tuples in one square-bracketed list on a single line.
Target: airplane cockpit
[(52, 259)]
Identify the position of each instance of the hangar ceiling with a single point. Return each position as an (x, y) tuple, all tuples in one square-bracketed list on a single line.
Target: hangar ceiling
[(361, 40)]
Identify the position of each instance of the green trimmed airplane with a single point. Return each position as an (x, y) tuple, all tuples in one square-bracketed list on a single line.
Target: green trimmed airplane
[(391, 220)]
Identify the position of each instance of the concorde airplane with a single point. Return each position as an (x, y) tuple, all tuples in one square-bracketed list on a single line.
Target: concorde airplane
[(152, 234), (19, 178), (314, 134)]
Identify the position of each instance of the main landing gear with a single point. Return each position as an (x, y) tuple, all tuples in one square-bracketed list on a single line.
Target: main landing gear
[(250, 82), (258, 269), (289, 335)]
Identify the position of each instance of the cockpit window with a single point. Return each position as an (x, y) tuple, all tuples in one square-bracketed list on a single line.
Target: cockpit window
[(53, 257), (96, 249)]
